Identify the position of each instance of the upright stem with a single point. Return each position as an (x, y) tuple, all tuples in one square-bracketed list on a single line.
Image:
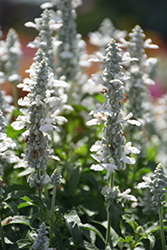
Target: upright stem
[(52, 213), (39, 187), (2, 236), (111, 185), (162, 227), (15, 95)]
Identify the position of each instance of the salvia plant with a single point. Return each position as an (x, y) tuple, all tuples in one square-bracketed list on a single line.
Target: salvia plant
[(68, 181)]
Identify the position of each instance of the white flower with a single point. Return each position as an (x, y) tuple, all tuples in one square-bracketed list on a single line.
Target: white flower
[(127, 119), (125, 195), (19, 123), (99, 118), (58, 118), (128, 149), (54, 26), (10, 157), (2, 136), (127, 58), (96, 38), (47, 5), (96, 147), (14, 78), (24, 101), (145, 184), (110, 167), (98, 58), (99, 114), (46, 125), (147, 44), (54, 157)]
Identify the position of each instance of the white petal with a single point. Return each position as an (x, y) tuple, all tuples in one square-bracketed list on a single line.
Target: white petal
[(134, 122), (46, 5), (30, 24), (141, 185), (96, 167), (17, 125), (96, 146), (93, 122), (46, 127), (54, 157), (2, 136), (146, 179), (128, 160), (24, 101), (61, 119)]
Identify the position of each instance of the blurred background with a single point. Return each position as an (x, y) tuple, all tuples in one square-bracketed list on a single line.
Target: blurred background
[(125, 14)]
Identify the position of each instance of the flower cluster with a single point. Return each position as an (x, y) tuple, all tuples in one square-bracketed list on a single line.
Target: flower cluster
[(41, 240), (138, 71), (111, 152), (116, 195), (11, 57), (45, 40), (105, 32), (160, 118), (156, 184), (71, 55), (38, 121), (6, 154), (56, 178)]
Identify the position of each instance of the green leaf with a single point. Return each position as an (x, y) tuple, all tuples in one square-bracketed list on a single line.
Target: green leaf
[(73, 223), (17, 219), (24, 243), (131, 221), (94, 229), (7, 241), (89, 246), (151, 239), (74, 172), (116, 212), (36, 201), (24, 204), (17, 194)]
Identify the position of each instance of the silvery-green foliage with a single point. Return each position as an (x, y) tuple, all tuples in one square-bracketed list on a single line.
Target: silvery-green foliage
[(72, 47), (41, 240), (35, 121), (70, 53), (6, 154), (12, 56), (157, 186), (114, 194), (111, 151), (6, 145), (2, 58), (56, 178), (37, 148), (156, 183), (46, 26), (139, 71), (103, 35), (160, 118)]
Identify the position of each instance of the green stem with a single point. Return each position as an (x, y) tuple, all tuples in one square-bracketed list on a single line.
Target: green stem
[(15, 95), (162, 227), (2, 236), (52, 213), (108, 214)]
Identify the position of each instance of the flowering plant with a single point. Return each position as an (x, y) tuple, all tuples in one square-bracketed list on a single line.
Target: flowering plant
[(68, 181)]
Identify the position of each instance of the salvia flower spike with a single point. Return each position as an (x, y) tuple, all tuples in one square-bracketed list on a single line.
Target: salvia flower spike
[(111, 151)]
